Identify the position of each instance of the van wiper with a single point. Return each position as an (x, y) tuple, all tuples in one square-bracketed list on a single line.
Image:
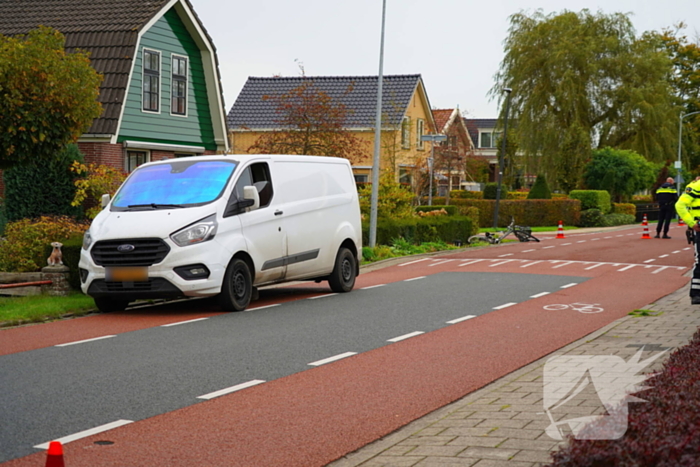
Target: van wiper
[(156, 206)]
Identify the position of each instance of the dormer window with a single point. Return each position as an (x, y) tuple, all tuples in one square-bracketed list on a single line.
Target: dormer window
[(151, 80)]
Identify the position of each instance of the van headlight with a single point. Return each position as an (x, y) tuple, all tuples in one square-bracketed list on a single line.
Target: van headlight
[(199, 232), (87, 240)]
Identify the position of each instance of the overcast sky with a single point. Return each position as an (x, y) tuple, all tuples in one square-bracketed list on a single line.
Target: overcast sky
[(456, 45)]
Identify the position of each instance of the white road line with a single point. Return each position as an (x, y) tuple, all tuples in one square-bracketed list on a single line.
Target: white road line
[(235, 388), (440, 262), (405, 336), (594, 266), (594, 239), (540, 295), (372, 287), (561, 265), (547, 247), (663, 256), (415, 279), (660, 269), (332, 359), (531, 264), (321, 296), (413, 262), (500, 262), (463, 318), (684, 249), (581, 241), (507, 254), (619, 235), (276, 304), (564, 244), (86, 433), (183, 322), (470, 262), (677, 251), (505, 305), (568, 285), (650, 260), (86, 340), (607, 237), (626, 268), (527, 251)]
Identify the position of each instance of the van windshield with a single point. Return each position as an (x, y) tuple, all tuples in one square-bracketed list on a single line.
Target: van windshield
[(177, 184)]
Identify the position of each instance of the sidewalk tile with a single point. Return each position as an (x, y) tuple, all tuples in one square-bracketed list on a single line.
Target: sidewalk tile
[(533, 456), (391, 461), (538, 445), (446, 462), (496, 463), (517, 433), (488, 453), (427, 441), (440, 451), (481, 441)]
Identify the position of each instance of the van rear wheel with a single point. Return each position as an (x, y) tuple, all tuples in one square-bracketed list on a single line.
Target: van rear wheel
[(342, 279), (237, 289)]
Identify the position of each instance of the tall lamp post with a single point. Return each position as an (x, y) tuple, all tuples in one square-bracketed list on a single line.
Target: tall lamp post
[(501, 158), (679, 164), (374, 200), (432, 139)]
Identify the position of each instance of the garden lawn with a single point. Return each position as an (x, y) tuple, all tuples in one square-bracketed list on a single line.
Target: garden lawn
[(36, 308)]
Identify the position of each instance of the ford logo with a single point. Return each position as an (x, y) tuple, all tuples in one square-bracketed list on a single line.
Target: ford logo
[(125, 248)]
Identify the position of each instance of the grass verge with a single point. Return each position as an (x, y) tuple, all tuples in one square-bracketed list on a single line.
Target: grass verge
[(37, 308)]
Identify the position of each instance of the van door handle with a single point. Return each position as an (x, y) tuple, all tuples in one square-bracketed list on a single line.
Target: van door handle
[(279, 213)]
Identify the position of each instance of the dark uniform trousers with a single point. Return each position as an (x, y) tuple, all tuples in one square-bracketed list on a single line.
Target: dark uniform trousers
[(666, 213), (695, 282)]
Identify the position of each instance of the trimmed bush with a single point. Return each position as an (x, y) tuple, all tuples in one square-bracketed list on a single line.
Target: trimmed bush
[(420, 230), (534, 212), (3, 219), (71, 257), (664, 431), (592, 199), (466, 194), (491, 190), (42, 189), (613, 219), (451, 210), (24, 247), (624, 208), (591, 218), (540, 190)]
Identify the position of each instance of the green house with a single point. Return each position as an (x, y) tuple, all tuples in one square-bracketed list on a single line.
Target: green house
[(161, 92)]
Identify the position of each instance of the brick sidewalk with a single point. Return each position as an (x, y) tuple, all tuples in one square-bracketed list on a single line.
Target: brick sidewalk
[(503, 424)]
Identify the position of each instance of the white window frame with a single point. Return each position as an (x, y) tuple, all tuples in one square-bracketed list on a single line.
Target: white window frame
[(173, 57), (406, 133), (420, 129), (143, 80), (147, 158)]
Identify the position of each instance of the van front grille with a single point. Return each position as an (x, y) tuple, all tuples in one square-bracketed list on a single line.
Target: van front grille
[(129, 252)]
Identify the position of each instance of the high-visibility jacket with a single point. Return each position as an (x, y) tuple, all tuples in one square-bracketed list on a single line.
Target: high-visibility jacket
[(666, 195), (688, 205)]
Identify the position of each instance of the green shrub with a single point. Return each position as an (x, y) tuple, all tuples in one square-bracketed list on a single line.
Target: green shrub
[(42, 189), (3, 219), (71, 257), (610, 220), (540, 190), (451, 210), (421, 230), (624, 208), (491, 190), (592, 199), (24, 247), (532, 212), (592, 218), (394, 200), (466, 194)]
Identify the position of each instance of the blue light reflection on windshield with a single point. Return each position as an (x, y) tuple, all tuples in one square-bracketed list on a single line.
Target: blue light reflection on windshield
[(180, 183)]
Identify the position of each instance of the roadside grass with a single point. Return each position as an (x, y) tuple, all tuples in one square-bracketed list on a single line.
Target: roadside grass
[(37, 308)]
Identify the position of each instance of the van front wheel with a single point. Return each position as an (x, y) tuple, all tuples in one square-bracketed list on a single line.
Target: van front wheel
[(342, 279), (237, 289)]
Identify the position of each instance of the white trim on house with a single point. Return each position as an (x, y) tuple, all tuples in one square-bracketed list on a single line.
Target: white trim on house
[(163, 147)]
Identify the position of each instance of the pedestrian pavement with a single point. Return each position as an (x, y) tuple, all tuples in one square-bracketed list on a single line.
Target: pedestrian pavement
[(503, 423)]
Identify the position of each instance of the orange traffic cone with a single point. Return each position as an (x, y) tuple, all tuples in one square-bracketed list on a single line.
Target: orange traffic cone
[(645, 234), (560, 231), (680, 221), (54, 456)]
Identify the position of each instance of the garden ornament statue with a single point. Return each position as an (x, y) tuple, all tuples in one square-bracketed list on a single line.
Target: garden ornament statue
[(56, 257)]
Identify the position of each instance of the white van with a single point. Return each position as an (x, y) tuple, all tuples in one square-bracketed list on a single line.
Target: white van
[(223, 225)]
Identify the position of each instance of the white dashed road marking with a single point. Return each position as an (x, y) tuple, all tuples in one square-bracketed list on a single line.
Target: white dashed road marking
[(540, 295), (505, 305), (85, 340), (86, 433), (183, 322), (235, 388), (568, 285), (415, 279), (406, 336), (413, 262), (332, 359), (463, 318)]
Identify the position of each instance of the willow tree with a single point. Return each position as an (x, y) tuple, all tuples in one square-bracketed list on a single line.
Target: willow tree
[(582, 81)]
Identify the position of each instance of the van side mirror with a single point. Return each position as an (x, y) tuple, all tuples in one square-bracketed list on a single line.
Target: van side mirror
[(105, 200), (251, 193)]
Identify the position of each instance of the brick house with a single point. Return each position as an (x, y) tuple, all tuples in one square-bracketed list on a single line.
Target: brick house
[(451, 153), (161, 94)]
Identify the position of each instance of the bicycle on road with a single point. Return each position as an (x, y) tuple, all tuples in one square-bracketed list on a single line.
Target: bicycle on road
[(522, 233)]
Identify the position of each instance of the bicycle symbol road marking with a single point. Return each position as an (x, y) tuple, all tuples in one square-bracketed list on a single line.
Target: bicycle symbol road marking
[(580, 307)]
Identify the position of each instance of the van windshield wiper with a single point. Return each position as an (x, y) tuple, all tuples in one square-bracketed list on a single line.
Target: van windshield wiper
[(155, 206)]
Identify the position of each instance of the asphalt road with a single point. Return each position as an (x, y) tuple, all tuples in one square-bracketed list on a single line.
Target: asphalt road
[(407, 349)]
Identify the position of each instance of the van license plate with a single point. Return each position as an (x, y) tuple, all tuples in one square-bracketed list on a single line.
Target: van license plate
[(127, 274)]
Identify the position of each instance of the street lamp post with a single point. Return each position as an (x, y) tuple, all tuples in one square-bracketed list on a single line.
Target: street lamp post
[(432, 139), (374, 199), (501, 158), (679, 164)]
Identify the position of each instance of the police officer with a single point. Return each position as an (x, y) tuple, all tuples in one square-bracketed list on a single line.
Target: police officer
[(688, 208), (666, 197)]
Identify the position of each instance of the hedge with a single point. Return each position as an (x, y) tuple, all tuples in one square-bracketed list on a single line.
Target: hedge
[(530, 212), (451, 210), (592, 199), (624, 208), (420, 230)]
